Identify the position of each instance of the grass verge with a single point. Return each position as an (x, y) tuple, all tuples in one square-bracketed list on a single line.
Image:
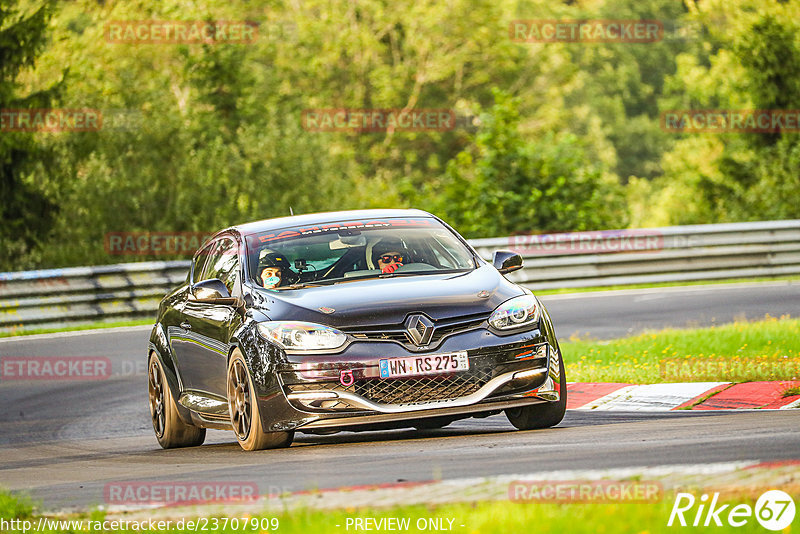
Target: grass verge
[(768, 349), (88, 326), (484, 517), (791, 392)]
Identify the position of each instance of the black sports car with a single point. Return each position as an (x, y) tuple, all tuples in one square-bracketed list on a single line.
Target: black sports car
[(356, 320)]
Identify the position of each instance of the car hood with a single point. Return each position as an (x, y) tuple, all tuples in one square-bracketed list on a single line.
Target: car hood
[(390, 300)]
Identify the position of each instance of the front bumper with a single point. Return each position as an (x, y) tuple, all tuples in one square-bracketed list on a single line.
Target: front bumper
[(345, 391)]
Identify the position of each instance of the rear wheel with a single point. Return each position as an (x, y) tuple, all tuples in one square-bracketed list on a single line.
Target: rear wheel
[(170, 431), (542, 415), (244, 410)]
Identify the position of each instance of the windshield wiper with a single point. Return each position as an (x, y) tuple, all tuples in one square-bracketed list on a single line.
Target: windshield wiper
[(333, 281), (415, 273), (300, 285)]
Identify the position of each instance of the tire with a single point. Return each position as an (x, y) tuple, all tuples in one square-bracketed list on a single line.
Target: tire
[(170, 430), (245, 412), (542, 415)]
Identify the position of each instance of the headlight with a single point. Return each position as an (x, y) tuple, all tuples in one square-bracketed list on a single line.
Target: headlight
[(514, 313), (302, 336)]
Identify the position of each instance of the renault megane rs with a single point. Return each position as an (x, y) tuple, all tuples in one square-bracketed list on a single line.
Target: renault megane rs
[(357, 320)]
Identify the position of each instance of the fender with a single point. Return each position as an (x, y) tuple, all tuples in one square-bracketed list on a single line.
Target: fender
[(555, 362), (262, 357), (160, 347), (547, 326)]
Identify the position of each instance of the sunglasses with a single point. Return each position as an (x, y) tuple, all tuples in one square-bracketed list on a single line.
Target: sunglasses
[(386, 258)]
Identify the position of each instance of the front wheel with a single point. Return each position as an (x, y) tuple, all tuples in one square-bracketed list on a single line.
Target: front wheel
[(542, 415), (170, 431), (244, 410)]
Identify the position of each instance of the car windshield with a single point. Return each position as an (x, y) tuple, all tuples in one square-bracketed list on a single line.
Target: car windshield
[(344, 251)]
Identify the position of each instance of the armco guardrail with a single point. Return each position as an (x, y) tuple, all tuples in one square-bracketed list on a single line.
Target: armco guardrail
[(61, 297), (667, 254), (54, 298)]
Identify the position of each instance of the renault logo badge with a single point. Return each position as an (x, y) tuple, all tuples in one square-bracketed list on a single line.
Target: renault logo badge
[(420, 329)]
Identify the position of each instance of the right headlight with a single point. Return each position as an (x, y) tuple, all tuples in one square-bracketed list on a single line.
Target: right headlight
[(299, 335), (515, 313)]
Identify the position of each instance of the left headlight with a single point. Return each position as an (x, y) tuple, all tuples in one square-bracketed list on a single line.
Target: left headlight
[(515, 313), (296, 335)]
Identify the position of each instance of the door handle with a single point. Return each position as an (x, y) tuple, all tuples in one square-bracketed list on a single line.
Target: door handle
[(186, 326)]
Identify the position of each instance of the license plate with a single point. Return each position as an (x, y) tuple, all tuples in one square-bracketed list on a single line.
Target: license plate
[(429, 364)]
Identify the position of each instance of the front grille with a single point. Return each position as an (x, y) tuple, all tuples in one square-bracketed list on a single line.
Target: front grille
[(461, 326), (402, 391), (386, 335), (417, 390), (397, 332)]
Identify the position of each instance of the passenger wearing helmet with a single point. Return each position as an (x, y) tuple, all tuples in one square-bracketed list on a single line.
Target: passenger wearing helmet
[(389, 254), (274, 269)]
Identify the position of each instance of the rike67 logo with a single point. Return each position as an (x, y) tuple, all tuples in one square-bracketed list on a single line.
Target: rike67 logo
[(774, 510)]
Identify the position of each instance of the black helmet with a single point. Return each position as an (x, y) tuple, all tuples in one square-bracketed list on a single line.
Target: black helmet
[(274, 259), (388, 244)]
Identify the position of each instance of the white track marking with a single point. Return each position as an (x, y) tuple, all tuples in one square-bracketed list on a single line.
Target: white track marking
[(791, 405), (651, 397)]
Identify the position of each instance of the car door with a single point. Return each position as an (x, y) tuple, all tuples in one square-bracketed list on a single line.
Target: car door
[(178, 327), (207, 327)]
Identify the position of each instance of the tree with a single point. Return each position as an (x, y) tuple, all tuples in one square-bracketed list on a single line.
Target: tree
[(27, 212), (730, 176), (505, 183)]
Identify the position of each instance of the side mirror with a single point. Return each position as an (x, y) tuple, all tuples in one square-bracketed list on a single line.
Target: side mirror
[(212, 289), (506, 261)]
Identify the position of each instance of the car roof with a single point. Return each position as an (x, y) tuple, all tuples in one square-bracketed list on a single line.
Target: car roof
[(257, 227)]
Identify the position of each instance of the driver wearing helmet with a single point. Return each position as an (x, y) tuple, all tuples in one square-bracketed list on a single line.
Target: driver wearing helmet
[(389, 254), (274, 270)]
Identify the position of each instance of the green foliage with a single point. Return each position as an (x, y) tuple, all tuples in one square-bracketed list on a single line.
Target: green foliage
[(503, 183), (26, 211), (201, 136), (769, 53), (622, 82), (720, 177), (14, 506)]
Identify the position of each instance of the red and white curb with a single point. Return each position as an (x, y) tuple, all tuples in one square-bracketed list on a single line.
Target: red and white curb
[(685, 395)]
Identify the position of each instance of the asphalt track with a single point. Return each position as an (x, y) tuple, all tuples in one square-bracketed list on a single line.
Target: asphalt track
[(63, 441)]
